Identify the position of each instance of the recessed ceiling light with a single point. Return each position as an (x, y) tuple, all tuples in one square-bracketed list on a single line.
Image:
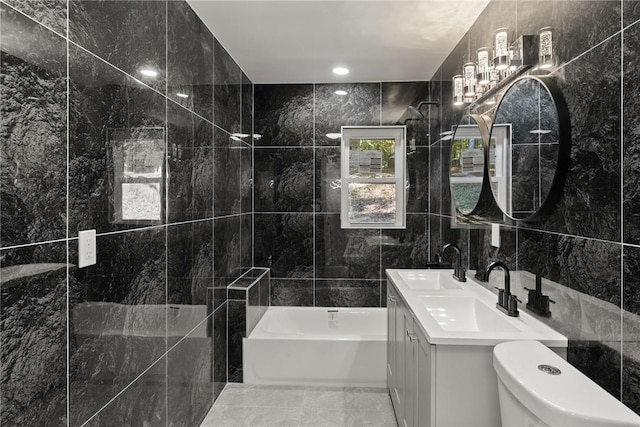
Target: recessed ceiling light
[(333, 135), (182, 95), (240, 135), (340, 92), (340, 71), (149, 72)]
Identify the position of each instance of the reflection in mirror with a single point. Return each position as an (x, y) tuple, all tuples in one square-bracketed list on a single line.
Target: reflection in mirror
[(138, 165), (466, 170), (525, 149)]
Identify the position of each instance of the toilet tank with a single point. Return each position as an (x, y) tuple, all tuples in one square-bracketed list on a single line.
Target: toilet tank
[(537, 388)]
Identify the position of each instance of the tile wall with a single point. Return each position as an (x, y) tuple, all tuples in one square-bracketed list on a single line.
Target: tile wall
[(140, 338), (590, 243), (297, 205)]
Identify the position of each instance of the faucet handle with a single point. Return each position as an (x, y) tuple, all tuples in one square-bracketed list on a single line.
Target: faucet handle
[(513, 306), (501, 300)]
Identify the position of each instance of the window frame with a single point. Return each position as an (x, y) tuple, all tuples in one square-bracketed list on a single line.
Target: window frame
[(399, 135)]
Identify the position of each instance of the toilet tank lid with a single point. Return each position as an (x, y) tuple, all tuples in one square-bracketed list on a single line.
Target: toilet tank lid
[(567, 399)]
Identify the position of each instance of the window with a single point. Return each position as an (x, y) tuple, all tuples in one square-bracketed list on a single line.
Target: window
[(373, 177)]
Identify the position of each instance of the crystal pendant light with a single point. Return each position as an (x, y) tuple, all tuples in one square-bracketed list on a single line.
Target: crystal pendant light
[(501, 49), (545, 52), (484, 70), (458, 90), (469, 73)]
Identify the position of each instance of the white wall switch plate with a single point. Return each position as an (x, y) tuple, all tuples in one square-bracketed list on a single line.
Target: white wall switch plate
[(495, 235), (86, 248)]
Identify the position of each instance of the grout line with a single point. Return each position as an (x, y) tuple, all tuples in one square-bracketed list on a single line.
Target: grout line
[(68, 316), (314, 217), (166, 213), (622, 162)]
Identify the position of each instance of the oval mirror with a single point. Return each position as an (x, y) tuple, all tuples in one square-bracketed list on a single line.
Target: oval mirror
[(529, 148), (467, 161)]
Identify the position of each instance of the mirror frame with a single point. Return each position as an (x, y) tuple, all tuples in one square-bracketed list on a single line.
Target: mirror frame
[(564, 149)]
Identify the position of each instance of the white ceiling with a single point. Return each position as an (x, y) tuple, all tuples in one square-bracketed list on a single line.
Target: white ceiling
[(300, 41)]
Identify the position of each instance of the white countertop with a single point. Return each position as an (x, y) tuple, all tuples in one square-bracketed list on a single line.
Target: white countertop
[(524, 327)]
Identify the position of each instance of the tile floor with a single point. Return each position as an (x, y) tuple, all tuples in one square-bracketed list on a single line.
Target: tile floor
[(253, 405)]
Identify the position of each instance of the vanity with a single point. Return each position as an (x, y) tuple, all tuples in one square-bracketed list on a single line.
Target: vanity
[(441, 335)]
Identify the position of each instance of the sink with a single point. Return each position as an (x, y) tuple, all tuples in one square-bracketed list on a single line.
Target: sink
[(428, 279), (465, 314)]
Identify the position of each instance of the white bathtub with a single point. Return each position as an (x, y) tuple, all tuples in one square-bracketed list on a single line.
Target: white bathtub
[(302, 346)]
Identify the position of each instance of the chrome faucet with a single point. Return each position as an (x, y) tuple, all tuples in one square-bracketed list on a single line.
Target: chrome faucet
[(458, 269), (506, 302)]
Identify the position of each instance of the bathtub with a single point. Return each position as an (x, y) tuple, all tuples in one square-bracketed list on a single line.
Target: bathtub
[(318, 346)]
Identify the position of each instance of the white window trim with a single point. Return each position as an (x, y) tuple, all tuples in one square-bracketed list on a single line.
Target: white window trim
[(397, 133)]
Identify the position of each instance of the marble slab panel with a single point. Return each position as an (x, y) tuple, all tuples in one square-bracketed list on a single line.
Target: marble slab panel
[(237, 324), (51, 13), (590, 204), (219, 350), (345, 253), (284, 243), (117, 318), (292, 292), (246, 126), (190, 163), (108, 112), (227, 175), (631, 328), (347, 293), (33, 332), (577, 25), (227, 90), (284, 114), (359, 107), (408, 248), (631, 140), (33, 147), (189, 60), (190, 380), (144, 402), (327, 179), (129, 34), (283, 179), (227, 251)]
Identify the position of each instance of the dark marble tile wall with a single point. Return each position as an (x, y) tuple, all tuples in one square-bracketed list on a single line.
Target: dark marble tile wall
[(147, 341), (33, 325), (313, 260), (587, 248)]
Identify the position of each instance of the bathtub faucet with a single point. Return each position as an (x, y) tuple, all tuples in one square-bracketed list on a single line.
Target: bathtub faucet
[(458, 269)]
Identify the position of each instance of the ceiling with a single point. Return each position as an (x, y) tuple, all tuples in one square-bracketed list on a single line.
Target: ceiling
[(300, 41)]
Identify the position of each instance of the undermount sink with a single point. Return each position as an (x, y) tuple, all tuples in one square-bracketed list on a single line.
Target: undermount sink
[(428, 279), (465, 314)]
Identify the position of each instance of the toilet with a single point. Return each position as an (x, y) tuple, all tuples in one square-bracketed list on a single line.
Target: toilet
[(538, 388)]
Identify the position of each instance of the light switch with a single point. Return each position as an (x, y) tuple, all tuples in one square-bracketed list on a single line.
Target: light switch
[(86, 248)]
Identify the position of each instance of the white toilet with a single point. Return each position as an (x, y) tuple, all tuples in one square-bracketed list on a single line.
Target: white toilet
[(537, 388)]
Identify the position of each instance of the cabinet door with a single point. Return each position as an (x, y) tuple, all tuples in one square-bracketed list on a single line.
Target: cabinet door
[(425, 382), (392, 372), (410, 386)]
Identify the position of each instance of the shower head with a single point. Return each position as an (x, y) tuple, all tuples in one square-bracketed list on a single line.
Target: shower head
[(415, 112)]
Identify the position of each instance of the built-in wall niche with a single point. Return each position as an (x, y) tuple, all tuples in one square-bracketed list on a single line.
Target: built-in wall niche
[(138, 175)]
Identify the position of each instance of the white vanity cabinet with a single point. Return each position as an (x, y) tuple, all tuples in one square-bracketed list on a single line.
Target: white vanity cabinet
[(441, 337), (410, 366)]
